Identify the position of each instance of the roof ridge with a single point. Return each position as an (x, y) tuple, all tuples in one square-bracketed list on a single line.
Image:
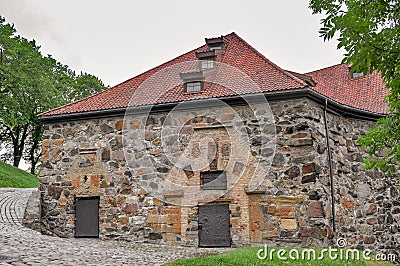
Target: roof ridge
[(338, 64), (269, 61), (121, 83)]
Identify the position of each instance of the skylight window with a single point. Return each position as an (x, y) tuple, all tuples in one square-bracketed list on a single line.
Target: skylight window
[(358, 75)]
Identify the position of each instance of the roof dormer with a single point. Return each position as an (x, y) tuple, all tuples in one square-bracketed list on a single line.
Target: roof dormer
[(214, 52), (355, 74), (193, 81), (215, 43), (206, 58)]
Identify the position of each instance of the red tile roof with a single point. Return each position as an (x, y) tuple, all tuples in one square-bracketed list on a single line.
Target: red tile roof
[(334, 82), (365, 93)]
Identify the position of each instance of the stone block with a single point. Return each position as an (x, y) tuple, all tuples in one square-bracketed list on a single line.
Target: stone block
[(300, 142), (302, 126), (284, 149), (347, 203), (176, 228), (156, 152), (173, 219), (371, 209), (152, 218), (155, 236), (293, 172), (303, 159), (342, 141), (130, 208), (279, 160), (126, 191), (268, 226), (321, 148), (309, 178), (55, 151), (171, 210), (355, 157), (282, 211), (186, 130), (170, 237), (308, 168), (287, 200), (255, 236), (157, 142), (58, 142), (157, 202), (315, 210), (308, 232), (54, 192), (289, 224), (288, 130), (94, 181), (46, 143), (173, 194), (119, 125), (118, 156), (150, 135), (106, 128), (124, 220), (136, 123), (299, 135), (62, 201), (270, 234), (369, 240), (371, 221), (105, 155)]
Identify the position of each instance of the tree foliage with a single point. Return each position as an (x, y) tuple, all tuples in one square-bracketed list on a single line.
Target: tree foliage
[(31, 83), (369, 31)]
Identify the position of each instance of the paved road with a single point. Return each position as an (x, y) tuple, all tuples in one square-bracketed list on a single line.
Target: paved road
[(22, 246)]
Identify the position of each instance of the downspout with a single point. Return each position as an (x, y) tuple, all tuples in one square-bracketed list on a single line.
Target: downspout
[(330, 167)]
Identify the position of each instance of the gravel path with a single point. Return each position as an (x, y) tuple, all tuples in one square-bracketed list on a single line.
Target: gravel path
[(22, 246)]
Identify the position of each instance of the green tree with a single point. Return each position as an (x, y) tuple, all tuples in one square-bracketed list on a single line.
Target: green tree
[(31, 83), (369, 31)]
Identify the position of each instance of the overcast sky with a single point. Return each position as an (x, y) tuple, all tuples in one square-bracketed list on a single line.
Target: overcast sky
[(116, 40)]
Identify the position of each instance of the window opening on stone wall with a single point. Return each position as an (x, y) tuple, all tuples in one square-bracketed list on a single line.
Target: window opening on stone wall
[(213, 180)]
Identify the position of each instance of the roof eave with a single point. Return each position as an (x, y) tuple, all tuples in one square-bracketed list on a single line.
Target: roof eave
[(333, 106)]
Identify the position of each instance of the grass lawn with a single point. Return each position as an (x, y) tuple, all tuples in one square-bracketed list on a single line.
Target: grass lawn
[(248, 256), (11, 176)]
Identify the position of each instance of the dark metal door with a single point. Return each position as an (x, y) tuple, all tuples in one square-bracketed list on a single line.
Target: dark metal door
[(214, 225), (87, 217)]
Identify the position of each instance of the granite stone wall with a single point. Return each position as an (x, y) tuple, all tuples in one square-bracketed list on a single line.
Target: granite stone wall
[(128, 161)]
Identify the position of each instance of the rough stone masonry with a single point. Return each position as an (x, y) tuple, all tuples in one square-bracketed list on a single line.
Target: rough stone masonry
[(291, 207)]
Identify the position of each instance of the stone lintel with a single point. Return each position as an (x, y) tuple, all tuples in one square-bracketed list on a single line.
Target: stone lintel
[(173, 194), (255, 192), (288, 199), (216, 200)]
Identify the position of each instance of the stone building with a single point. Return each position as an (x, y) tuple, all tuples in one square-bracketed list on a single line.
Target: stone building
[(221, 147)]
